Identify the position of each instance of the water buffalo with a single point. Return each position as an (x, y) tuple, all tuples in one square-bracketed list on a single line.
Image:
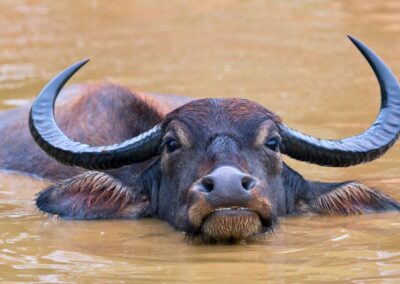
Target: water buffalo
[(210, 167)]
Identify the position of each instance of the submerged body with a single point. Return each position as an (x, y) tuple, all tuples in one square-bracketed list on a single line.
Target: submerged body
[(94, 114), (209, 167)]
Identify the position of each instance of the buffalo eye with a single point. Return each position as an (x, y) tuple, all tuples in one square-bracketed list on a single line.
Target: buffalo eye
[(171, 145), (273, 143)]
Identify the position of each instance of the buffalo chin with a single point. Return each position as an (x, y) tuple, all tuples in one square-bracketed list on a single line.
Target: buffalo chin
[(231, 225)]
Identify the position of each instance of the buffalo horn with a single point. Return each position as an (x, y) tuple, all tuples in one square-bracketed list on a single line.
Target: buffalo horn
[(57, 145), (365, 147)]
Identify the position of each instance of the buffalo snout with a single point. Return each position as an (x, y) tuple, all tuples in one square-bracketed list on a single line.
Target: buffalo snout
[(229, 205), (227, 186)]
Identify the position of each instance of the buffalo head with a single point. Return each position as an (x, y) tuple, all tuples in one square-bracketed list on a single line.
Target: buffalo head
[(218, 171)]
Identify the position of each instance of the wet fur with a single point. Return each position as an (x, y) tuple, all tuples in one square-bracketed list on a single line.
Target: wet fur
[(352, 198), (92, 195)]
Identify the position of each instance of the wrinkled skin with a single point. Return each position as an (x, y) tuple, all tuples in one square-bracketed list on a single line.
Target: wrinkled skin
[(219, 176)]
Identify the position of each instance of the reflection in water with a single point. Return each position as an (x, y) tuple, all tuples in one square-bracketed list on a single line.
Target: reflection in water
[(291, 56)]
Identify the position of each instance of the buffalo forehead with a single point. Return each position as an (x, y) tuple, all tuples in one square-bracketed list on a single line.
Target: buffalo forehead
[(208, 117)]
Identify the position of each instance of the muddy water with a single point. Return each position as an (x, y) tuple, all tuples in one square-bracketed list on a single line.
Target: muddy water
[(291, 56)]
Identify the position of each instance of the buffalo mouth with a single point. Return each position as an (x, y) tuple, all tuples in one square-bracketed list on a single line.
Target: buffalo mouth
[(234, 224)]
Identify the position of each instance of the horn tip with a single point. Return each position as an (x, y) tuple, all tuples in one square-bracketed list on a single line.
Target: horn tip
[(365, 50), (83, 61), (74, 68), (353, 39)]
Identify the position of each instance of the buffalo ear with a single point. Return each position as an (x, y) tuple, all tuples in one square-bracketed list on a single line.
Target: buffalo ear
[(92, 195), (347, 199)]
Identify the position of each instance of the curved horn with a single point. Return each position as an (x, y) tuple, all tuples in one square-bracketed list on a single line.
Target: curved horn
[(364, 147), (56, 144)]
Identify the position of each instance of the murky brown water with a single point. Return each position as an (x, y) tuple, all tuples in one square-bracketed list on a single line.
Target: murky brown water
[(291, 56)]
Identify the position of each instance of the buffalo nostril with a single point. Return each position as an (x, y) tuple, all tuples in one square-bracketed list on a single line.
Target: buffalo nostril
[(248, 182), (208, 184)]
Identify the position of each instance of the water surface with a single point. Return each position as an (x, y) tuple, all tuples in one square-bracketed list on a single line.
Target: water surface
[(290, 56)]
